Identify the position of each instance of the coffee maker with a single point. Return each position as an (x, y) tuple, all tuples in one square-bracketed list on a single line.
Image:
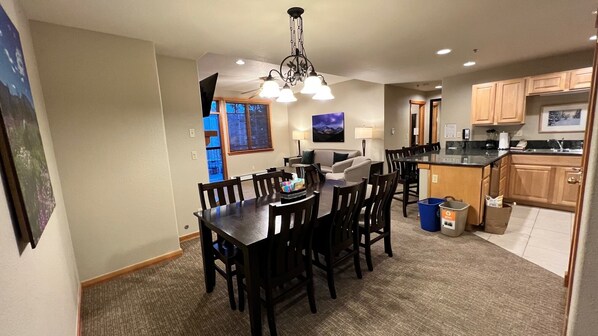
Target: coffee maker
[(491, 141)]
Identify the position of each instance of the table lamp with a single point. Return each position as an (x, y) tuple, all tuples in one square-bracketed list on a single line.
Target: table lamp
[(363, 133), (298, 135)]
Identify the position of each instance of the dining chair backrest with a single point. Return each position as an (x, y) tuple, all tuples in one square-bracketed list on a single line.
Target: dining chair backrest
[(428, 148), (346, 206), (310, 173), (290, 228), (377, 212), (220, 193), (391, 156), (270, 182), (436, 146)]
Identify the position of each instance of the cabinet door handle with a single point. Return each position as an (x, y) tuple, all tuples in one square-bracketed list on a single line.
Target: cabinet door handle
[(572, 180)]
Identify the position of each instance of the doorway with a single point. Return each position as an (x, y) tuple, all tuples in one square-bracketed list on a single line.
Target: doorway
[(434, 115), (417, 112), (213, 131)]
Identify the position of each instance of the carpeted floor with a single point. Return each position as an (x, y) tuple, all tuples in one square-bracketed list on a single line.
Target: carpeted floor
[(434, 285)]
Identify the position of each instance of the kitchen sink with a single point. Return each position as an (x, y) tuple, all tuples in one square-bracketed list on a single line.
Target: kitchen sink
[(554, 150)]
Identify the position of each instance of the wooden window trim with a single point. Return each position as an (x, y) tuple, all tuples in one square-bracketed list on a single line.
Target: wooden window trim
[(224, 114)]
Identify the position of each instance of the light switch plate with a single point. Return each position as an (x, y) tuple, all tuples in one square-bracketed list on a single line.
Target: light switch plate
[(434, 178), (193, 155), (192, 132)]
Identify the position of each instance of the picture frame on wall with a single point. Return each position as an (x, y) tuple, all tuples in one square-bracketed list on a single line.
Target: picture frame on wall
[(329, 127), (24, 166), (564, 118)]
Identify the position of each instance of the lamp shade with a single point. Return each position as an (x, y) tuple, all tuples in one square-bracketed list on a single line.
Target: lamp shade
[(312, 84), (323, 93), (270, 89), (286, 95), (364, 132), (298, 135)]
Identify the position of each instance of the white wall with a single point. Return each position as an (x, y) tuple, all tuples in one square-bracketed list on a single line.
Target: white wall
[(456, 93), (363, 105), (244, 164), (38, 287), (179, 89), (103, 102)]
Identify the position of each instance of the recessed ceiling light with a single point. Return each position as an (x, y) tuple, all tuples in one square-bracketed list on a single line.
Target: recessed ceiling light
[(468, 64), (240, 62), (593, 38), (443, 51), (438, 87)]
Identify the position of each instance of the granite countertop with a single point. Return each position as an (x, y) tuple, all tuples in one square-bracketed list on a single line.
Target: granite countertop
[(458, 157)]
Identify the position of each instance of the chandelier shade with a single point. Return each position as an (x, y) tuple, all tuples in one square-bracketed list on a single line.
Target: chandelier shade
[(296, 68)]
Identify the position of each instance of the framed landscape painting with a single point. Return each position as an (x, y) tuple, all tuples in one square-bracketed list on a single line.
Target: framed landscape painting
[(564, 118), (328, 127), (25, 170)]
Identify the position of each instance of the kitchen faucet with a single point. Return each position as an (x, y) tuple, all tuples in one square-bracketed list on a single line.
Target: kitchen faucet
[(560, 143)]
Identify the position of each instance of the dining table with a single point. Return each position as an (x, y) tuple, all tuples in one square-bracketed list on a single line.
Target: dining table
[(245, 224)]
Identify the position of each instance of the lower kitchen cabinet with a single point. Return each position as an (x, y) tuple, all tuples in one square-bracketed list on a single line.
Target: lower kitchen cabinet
[(541, 180)]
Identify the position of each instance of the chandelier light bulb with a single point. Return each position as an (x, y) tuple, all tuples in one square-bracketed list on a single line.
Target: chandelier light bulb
[(323, 93), (312, 84)]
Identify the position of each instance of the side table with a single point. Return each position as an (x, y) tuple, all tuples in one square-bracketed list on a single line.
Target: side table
[(286, 159)]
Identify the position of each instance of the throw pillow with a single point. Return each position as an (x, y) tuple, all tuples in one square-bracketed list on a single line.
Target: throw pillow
[(338, 157), (307, 157)]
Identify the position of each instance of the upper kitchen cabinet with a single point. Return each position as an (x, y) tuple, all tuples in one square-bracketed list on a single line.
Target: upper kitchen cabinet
[(560, 82), (498, 103)]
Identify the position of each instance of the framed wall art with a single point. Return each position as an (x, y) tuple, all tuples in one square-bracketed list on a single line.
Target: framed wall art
[(328, 127), (563, 118), (24, 165)]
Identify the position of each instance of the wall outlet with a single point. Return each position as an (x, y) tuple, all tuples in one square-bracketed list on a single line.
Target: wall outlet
[(434, 178), (193, 155), (192, 132)]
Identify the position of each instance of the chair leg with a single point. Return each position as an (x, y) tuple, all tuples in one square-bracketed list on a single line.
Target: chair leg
[(405, 198), (357, 264), (311, 295), (241, 292), (387, 245), (270, 310), (229, 286), (368, 252), (330, 276)]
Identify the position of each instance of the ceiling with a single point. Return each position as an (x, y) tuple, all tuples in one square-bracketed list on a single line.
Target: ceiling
[(380, 41)]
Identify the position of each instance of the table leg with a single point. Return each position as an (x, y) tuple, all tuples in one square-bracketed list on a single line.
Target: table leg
[(252, 276), (207, 256)]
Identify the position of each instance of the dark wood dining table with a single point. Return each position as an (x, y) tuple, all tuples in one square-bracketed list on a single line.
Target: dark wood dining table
[(245, 224)]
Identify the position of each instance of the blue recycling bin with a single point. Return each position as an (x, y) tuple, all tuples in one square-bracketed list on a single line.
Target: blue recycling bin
[(429, 213)]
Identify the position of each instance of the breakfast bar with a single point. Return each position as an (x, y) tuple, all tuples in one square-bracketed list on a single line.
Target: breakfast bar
[(463, 174)]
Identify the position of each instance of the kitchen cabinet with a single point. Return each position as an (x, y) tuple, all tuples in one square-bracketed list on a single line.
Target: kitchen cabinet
[(498, 103), (560, 82), (503, 175), (541, 180)]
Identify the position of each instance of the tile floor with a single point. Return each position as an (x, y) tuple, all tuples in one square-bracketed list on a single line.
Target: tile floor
[(541, 236)]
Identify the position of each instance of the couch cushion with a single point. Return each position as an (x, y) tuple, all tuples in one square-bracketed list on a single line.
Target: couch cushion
[(337, 157), (359, 159), (325, 156), (308, 157)]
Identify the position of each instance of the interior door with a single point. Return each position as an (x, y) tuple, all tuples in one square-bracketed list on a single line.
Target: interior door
[(416, 122), (579, 180)]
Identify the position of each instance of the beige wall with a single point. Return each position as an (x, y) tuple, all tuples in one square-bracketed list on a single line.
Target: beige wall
[(456, 93), (363, 105), (244, 164), (38, 287), (182, 111), (397, 114), (105, 114)]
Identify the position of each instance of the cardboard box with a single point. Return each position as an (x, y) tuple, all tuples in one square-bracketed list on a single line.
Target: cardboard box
[(497, 219)]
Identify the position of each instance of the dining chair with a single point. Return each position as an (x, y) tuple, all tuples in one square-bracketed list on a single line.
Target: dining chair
[(436, 146), (408, 178), (337, 239), (376, 219), (311, 174), (270, 182), (428, 148), (287, 256), (216, 194)]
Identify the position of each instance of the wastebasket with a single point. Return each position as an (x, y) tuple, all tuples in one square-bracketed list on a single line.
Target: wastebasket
[(429, 216), (453, 216)]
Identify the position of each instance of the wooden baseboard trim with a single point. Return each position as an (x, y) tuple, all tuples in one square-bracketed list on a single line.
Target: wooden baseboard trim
[(189, 236), (132, 268), (79, 299)]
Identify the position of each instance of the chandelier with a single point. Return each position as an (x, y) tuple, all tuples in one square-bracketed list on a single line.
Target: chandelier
[(300, 69)]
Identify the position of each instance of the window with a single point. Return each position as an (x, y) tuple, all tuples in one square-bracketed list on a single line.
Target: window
[(248, 127)]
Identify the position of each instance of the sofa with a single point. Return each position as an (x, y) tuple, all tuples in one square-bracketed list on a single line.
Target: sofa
[(324, 157), (351, 170)]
